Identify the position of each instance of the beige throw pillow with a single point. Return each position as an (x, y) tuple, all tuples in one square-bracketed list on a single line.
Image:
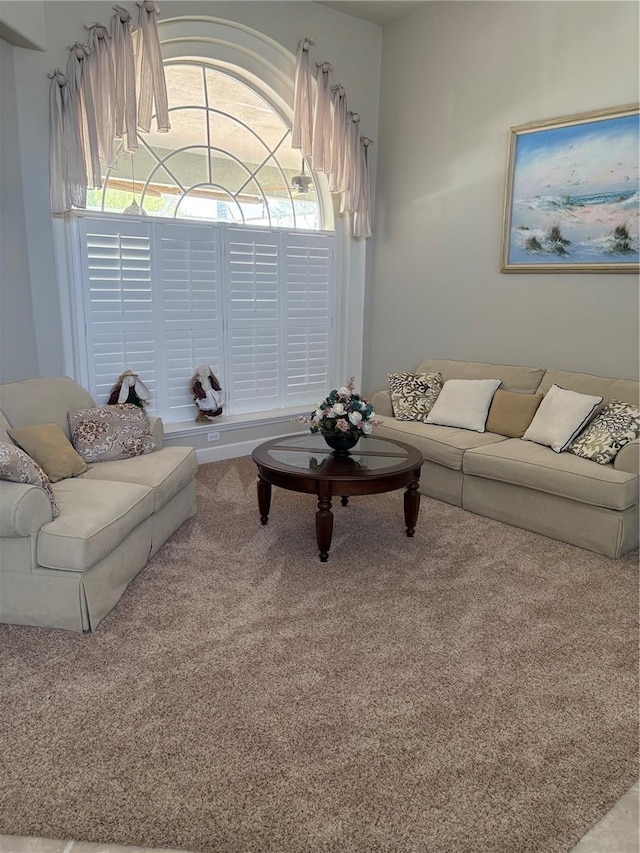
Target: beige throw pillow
[(511, 413), (18, 467), (560, 417), (51, 449), (106, 433), (413, 394), (464, 403)]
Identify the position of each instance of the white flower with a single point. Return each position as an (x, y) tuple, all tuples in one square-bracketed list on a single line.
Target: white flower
[(355, 418), (344, 391), (367, 428), (317, 415), (338, 409)]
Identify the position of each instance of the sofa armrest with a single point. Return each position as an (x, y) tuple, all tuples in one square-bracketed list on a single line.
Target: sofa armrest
[(381, 402), (628, 459), (157, 430), (23, 509)]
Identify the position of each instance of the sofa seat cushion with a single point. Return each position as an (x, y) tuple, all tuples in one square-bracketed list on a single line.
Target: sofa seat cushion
[(523, 463), (94, 518), (441, 444), (165, 471)]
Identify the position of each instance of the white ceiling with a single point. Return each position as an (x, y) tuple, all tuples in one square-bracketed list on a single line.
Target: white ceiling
[(377, 11)]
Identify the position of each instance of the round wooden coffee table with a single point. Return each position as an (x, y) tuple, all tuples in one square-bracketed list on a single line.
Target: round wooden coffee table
[(307, 464)]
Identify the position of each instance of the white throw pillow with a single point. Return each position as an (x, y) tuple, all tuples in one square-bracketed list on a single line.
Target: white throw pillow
[(464, 403), (560, 417)]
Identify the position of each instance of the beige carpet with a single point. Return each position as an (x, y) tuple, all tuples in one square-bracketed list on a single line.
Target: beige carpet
[(471, 690)]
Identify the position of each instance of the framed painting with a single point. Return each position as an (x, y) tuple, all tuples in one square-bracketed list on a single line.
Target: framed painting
[(571, 197)]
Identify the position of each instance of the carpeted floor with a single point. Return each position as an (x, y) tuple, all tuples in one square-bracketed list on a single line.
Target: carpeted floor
[(471, 690)]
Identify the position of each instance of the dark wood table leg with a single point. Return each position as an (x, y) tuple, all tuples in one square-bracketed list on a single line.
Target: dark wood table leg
[(411, 506), (344, 500), (324, 527), (264, 499)]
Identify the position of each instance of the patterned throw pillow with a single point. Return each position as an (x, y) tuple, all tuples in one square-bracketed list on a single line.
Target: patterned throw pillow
[(106, 433), (413, 394), (616, 425), (18, 467)]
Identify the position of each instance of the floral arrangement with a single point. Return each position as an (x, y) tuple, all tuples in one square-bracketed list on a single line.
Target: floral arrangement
[(342, 412)]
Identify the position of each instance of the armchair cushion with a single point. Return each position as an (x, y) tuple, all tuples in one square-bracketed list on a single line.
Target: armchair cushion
[(106, 433), (51, 449), (18, 467)]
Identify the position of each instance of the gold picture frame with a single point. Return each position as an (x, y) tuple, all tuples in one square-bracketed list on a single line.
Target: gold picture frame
[(571, 199)]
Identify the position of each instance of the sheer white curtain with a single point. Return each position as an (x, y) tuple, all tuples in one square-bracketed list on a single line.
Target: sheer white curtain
[(95, 102), (362, 213), (321, 143), (301, 132), (126, 106), (66, 160), (152, 83), (103, 90), (80, 87), (328, 134)]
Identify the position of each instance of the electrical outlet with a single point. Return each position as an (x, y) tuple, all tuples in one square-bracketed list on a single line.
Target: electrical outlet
[(213, 436)]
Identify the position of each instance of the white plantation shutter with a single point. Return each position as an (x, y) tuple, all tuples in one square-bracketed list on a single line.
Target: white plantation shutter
[(253, 267), (117, 298), (162, 298), (189, 308), (308, 294)]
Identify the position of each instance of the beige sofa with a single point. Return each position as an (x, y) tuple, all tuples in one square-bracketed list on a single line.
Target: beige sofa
[(69, 572), (557, 494)]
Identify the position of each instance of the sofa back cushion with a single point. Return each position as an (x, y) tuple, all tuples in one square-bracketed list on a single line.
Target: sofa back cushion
[(514, 378), (588, 383), (4, 426), (42, 401)]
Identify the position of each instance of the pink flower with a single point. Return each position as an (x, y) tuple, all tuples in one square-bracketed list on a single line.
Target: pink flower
[(343, 425)]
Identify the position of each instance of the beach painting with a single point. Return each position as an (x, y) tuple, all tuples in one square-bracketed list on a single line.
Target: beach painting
[(572, 194)]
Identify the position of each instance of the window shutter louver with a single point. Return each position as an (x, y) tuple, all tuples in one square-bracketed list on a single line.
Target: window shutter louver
[(118, 310), (254, 308), (188, 275), (308, 311)]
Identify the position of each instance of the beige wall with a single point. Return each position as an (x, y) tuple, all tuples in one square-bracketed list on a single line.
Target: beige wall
[(18, 355), (455, 77)]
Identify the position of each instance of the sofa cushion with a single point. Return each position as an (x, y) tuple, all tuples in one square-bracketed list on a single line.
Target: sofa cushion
[(413, 394), (588, 383), (514, 378), (165, 471), (560, 417), (107, 433), (616, 425), (94, 518), (464, 403), (52, 450), (42, 401), (511, 413), (523, 463), (441, 444), (16, 466)]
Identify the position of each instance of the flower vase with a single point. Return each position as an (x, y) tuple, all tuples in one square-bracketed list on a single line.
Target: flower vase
[(341, 444)]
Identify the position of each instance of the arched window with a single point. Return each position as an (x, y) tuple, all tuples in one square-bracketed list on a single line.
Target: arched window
[(227, 158)]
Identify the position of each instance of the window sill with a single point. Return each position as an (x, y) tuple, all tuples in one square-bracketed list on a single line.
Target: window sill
[(186, 429)]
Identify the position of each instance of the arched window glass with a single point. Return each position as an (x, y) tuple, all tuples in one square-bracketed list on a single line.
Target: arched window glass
[(228, 158)]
